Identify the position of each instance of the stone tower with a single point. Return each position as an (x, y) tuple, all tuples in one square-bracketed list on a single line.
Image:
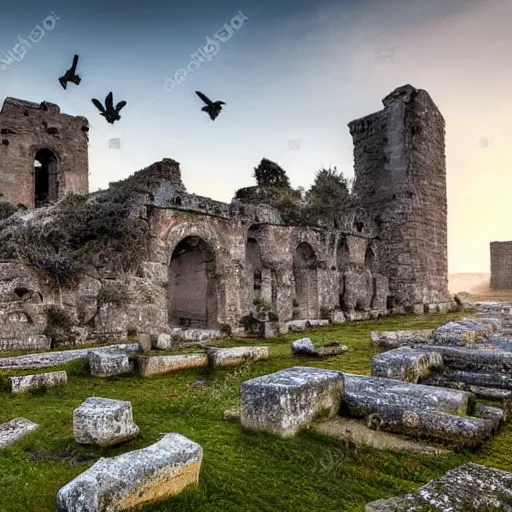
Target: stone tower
[(43, 153), (501, 265), (400, 177)]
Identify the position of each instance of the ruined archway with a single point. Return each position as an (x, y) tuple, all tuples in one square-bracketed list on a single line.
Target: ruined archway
[(305, 273), (370, 260), (342, 262), (46, 185), (192, 285)]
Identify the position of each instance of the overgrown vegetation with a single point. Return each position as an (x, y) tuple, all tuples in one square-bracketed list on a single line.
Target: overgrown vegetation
[(115, 294), (270, 174), (241, 471), (58, 325), (7, 209)]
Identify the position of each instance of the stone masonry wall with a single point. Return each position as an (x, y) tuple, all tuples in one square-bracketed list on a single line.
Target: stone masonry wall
[(501, 265), (399, 156), (26, 128)]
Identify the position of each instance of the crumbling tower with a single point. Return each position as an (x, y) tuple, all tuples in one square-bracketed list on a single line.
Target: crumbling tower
[(43, 153), (400, 177)]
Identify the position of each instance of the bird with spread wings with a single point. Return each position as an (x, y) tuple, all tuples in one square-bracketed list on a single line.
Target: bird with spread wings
[(70, 75), (212, 108), (110, 113)]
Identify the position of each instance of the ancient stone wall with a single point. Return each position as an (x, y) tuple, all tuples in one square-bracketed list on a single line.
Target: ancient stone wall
[(501, 265), (31, 131), (399, 157)]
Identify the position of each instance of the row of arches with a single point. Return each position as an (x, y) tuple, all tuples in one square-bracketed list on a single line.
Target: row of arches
[(194, 286)]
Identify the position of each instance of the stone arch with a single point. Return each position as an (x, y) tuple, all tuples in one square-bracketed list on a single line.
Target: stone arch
[(46, 177), (305, 273), (193, 298), (370, 258)]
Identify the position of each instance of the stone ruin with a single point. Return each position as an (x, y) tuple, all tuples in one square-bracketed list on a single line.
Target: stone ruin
[(501, 265), (149, 257)]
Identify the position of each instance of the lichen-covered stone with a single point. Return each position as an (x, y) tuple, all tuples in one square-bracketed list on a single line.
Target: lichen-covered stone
[(158, 365), (305, 325), (395, 339), (284, 402), (450, 428), (135, 478), (407, 365), (468, 488), (109, 363), (364, 395), (332, 350), (219, 357), (104, 422), (164, 342), (304, 347), (49, 359), (494, 414), (23, 383), (180, 334), (461, 333), (14, 430)]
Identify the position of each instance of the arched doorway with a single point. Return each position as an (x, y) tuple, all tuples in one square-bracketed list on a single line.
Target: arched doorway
[(253, 266), (192, 286), (305, 273), (342, 261), (46, 185)]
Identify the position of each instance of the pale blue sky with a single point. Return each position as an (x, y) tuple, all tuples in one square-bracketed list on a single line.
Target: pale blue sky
[(299, 70)]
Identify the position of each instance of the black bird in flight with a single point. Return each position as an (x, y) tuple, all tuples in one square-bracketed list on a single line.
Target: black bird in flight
[(213, 108), (70, 75), (110, 113)]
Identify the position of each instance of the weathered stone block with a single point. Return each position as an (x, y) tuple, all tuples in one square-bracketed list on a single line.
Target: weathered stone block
[(394, 339), (337, 316), (179, 333), (461, 332), (284, 402), (218, 357), (158, 365), (304, 347), (14, 430), (164, 342), (305, 325), (450, 428), (144, 340), (406, 364), (23, 383), (494, 414), (135, 478), (468, 488), (109, 363), (364, 395), (104, 422)]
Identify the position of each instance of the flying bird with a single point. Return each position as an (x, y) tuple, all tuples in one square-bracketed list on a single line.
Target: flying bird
[(110, 113), (70, 75), (213, 108)]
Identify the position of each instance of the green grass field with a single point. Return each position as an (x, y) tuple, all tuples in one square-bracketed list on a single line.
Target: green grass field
[(241, 471)]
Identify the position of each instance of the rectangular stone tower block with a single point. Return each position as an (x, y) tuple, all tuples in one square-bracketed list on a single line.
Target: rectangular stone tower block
[(400, 177), (282, 403), (501, 265), (31, 132)]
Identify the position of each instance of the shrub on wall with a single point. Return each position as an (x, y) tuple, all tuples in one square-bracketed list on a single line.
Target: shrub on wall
[(58, 325)]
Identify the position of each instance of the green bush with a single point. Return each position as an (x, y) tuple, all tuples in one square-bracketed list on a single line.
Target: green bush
[(58, 325), (113, 293)]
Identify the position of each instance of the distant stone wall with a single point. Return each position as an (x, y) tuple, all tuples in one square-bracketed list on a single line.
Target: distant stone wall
[(501, 265)]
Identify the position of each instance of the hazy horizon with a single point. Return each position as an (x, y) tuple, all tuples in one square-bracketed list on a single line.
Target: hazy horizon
[(289, 73)]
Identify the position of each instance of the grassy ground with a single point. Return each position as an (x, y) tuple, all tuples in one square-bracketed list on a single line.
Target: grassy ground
[(242, 471)]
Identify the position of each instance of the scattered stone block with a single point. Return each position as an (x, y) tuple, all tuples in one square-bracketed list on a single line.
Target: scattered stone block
[(135, 478), (232, 415), (14, 430), (144, 340), (461, 333), (356, 431), (395, 339), (164, 342), (305, 325), (468, 488), (108, 364), (495, 414), (219, 357), (450, 428), (464, 302), (24, 383), (104, 422), (182, 334), (407, 365), (49, 359), (159, 365), (281, 403), (364, 395), (305, 347)]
